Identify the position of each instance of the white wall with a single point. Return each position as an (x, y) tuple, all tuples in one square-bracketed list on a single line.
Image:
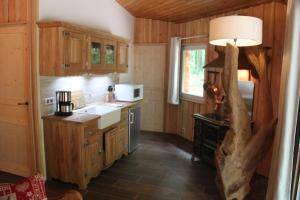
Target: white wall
[(93, 87), (106, 15)]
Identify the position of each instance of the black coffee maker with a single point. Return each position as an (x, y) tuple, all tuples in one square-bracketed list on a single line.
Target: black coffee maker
[(64, 106)]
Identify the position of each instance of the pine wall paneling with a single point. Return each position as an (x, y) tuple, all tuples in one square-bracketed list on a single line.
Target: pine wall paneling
[(19, 13), (178, 119), (12, 11)]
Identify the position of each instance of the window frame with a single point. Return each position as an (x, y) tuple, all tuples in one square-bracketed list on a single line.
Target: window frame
[(185, 96)]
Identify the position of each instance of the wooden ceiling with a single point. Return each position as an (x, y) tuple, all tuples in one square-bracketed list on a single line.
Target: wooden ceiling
[(184, 10)]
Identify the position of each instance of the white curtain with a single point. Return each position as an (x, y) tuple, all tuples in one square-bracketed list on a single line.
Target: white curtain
[(280, 180), (174, 71)]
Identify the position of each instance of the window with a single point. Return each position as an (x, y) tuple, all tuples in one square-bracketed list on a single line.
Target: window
[(192, 61)]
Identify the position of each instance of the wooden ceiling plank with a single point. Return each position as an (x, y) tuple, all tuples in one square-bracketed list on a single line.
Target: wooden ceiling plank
[(179, 11)]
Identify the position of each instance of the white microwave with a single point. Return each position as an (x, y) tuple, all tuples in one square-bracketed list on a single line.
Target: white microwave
[(129, 92)]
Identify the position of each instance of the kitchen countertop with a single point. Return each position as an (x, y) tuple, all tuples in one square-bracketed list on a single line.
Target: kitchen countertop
[(86, 117), (74, 118)]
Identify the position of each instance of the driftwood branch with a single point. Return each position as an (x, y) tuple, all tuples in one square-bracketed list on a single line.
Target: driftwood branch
[(241, 151)]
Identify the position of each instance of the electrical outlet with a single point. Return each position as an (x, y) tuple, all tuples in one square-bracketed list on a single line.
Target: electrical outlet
[(49, 100)]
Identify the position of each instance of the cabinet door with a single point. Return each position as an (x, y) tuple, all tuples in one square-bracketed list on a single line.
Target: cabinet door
[(93, 159), (110, 55), (122, 57), (110, 147), (95, 55), (120, 144), (73, 52)]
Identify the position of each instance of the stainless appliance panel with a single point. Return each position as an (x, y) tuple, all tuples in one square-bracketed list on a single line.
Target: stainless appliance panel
[(134, 116)]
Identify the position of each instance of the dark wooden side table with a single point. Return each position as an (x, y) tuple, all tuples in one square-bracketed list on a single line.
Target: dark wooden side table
[(209, 132)]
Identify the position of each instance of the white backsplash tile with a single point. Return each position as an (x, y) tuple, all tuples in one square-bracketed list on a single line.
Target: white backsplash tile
[(94, 88)]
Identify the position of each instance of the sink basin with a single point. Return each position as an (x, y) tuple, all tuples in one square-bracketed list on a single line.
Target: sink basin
[(109, 115)]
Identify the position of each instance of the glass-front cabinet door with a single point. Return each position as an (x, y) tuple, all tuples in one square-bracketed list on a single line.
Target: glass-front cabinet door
[(110, 55), (95, 60)]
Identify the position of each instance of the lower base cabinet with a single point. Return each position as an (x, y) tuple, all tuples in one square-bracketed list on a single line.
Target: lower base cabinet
[(77, 152), (74, 151), (116, 140)]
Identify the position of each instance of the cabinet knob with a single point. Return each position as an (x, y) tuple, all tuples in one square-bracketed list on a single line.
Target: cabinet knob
[(100, 151)]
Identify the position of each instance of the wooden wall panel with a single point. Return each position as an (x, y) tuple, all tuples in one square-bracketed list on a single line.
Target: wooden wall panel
[(12, 11), (151, 31), (4, 11), (17, 10), (273, 16), (22, 13)]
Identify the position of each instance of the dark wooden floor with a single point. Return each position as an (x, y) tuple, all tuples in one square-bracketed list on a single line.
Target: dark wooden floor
[(159, 170)]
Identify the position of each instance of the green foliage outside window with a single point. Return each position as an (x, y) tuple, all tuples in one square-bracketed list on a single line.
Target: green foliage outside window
[(197, 61)]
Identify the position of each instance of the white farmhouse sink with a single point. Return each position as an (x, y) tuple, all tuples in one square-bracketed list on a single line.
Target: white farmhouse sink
[(109, 115)]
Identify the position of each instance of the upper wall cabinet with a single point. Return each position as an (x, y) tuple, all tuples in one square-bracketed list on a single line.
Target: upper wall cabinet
[(66, 49), (122, 57)]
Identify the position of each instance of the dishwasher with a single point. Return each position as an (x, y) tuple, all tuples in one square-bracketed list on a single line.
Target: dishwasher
[(134, 126)]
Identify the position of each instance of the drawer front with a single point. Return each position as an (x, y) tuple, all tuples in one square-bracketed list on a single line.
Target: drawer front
[(92, 134)]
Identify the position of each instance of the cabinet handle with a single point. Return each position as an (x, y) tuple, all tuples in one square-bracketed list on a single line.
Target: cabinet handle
[(23, 104), (65, 66), (86, 144), (100, 151), (66, 33), (131, 118), (91, 133)]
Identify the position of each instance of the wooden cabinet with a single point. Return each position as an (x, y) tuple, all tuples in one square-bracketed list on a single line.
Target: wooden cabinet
[(62, 51), (122, 57), (73, 53), (74, 151), (116, 140), (95, 54), (209, 132), (122, 137), (93, 159), (67, 49), (110, 146)]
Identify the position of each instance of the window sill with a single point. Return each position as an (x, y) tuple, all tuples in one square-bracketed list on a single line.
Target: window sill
[(199, 100)]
